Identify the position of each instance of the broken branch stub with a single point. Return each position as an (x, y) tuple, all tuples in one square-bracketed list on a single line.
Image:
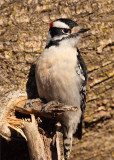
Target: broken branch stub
[(41, 144), (53, 111), (34, 140)]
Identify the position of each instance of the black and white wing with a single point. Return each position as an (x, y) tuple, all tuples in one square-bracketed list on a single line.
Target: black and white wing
[(81, 70)]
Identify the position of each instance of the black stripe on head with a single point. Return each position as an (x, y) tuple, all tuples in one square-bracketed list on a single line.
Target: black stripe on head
[(69, 22), (55, 31)]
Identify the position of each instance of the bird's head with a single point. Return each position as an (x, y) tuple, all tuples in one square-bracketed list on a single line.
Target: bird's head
[(62, 29)]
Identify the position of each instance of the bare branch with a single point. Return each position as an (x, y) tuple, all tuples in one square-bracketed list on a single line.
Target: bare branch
[(34, 140), (53, 110)]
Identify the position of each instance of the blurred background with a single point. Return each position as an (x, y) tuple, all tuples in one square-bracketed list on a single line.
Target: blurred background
[(24, 27)]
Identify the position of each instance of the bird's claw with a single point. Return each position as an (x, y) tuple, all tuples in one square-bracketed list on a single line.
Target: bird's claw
[(47, 105), (29, 102)]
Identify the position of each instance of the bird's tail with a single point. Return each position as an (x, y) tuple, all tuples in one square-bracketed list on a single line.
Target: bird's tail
[(70, 124), (67, 142)]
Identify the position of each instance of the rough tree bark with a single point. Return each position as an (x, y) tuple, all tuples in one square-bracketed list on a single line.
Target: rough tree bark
[(23, 30)]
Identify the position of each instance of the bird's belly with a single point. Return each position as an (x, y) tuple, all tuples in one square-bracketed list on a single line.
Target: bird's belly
[(60, 82)]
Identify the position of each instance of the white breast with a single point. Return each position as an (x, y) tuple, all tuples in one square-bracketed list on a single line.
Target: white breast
[(56, 75)]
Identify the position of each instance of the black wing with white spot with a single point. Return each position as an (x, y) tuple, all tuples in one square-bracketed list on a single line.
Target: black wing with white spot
[(82, 72)]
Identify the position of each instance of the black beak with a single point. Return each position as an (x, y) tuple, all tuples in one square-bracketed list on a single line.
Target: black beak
[(83, 30)]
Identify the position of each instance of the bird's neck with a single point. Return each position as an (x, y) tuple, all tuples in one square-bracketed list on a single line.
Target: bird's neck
[(65, 41)]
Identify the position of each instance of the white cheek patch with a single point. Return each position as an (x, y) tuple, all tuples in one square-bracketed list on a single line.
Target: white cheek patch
[(59, 37), (60, 24)]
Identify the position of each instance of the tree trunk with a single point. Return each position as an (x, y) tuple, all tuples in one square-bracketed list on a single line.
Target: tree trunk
[(24, 27)]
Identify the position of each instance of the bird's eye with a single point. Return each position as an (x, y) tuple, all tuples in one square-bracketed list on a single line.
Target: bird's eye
[(66, 31)]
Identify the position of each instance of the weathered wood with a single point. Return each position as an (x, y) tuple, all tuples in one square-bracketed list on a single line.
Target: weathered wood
[(34, 141), (52, 111), (58, 125), (40, 145)]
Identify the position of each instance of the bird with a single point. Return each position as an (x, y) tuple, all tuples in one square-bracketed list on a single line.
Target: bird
[(61, 75)]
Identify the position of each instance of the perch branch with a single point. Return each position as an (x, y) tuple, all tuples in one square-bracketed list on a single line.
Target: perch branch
[(53, 110)]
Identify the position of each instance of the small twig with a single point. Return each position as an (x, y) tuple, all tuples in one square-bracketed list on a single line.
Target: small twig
[(57, 141), (58, 146)]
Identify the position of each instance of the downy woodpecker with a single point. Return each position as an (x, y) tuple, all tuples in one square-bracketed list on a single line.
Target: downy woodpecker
[(61, 75)]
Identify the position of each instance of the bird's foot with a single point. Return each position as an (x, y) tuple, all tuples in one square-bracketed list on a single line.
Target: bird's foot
[(29, 102), (48, 105)]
